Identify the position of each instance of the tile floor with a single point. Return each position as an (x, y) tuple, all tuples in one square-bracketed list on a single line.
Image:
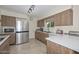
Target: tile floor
[(32, 47)]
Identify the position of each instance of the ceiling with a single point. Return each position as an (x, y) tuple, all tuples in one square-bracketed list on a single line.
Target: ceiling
[(39, 11)]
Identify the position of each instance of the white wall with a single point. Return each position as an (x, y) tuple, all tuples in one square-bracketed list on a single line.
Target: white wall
[(11, 13), (32, 28)]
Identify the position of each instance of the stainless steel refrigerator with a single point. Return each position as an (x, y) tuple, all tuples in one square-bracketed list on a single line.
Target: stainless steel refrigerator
[(22, 31)]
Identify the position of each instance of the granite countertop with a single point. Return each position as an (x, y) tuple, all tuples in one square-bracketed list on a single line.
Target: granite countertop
[(68, 41), (5, 36)]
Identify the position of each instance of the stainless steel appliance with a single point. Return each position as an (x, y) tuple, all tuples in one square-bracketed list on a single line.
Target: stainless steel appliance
[(8, 29), (22, 31)]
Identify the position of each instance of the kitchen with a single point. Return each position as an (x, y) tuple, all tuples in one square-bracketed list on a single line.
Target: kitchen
[(48, 27)]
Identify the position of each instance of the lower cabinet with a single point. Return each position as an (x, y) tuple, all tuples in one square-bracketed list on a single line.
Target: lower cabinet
[(4, 48), (54, 48), (12, 38), (41, 36)]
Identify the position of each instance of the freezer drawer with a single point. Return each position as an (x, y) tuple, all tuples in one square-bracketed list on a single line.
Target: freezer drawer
[(22, 37)]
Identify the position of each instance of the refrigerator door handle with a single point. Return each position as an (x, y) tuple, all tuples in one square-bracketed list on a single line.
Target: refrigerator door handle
[(21, 31)]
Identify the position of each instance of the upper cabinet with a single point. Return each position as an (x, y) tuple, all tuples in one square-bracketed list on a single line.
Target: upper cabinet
[(8, 21), (67, 17), (64, 18), (57, 19), (40, 23)]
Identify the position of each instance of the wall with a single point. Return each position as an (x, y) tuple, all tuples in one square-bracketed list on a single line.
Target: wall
[(11, 13), (66, 29), (32, 28)]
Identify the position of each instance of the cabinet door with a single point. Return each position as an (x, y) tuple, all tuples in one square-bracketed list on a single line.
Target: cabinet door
[(8, 20), (4, 48), (53, 48), (12, 38), (57, 19), (12, 21), (43, 37), (40, 23), (3, 21), (66, 50), (67, 17)]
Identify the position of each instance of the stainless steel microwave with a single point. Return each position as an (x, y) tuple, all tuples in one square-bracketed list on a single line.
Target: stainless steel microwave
[(8, 29)]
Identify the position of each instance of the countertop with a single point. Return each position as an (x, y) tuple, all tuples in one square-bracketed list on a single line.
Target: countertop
[(45, 32), (71, 42), (5, 36)]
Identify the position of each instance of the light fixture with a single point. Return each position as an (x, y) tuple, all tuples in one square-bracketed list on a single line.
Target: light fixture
[(31, 9)]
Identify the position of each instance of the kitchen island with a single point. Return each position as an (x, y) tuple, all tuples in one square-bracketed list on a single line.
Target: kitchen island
[(62, 44)]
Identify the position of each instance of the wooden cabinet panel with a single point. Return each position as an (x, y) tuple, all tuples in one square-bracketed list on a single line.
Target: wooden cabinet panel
[(2, 20), (64, 18), (41, 36), (12, 21), (57, 19), (4, 48), (67, 18), (8, 20), (40, 23), (12, 39), (54, 48), (66, 50), (37, 35)]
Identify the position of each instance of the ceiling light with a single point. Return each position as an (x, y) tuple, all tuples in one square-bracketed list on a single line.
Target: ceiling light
[(31, 9)]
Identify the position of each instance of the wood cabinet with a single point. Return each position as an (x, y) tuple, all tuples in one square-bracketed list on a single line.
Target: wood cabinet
[(41, 36), (67, 17), (65, 50), (54, 48), (64, 18), (57, 19), (8, 21), (12, 39), (40, 23), (4, 48)]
